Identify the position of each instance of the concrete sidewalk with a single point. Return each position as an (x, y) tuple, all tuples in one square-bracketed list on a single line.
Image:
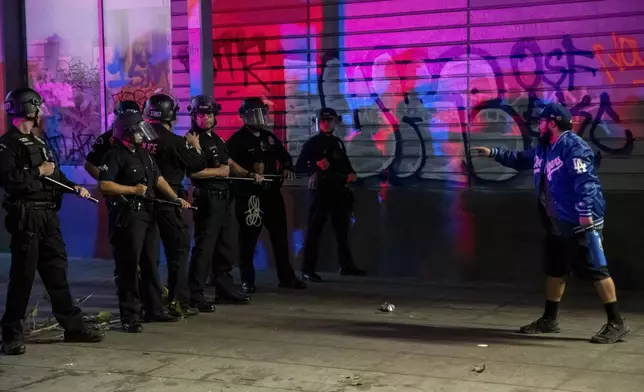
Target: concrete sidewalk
[(333, 338)]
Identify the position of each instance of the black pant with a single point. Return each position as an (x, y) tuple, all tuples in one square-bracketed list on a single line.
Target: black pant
[(254, 211), (337, 202), (213, 247), (37, 243), (176, 243), (135, 237)]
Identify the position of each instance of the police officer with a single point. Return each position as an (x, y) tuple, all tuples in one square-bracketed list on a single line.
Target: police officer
[(259, 151), (130, 177), (325, 158), (32, 221), (102, 145), (571, 206), (174, 155), (213, 247), (104, 142)]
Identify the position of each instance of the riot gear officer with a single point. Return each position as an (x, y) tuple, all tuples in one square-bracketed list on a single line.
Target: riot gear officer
[(32, 205), (258, 150), (102, 145), (174, 156), (130, 178), (213, 247), (104, 142), (325, 159)]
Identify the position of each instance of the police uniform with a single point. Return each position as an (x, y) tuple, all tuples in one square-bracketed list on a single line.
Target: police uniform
[(259, 205), (329, 195), (135, 234), (213, 247), (174, 156), (32, 206), (101, 146)]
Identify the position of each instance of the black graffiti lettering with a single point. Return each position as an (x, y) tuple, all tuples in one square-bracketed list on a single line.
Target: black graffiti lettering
[(605, 107), (230, 45), (70, 150), (139, 96), (571, 52), (520, 52)]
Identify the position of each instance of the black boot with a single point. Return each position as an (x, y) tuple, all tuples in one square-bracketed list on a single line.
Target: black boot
[(132, 327), (292, 284), (248, 287), (352, 271), (14, 347), (86, 336)]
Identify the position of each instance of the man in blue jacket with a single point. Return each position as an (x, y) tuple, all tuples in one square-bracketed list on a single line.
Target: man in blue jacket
[(572, 207)]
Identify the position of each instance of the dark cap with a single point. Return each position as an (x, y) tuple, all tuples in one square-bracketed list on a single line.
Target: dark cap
[(327, 112), (559, 114)]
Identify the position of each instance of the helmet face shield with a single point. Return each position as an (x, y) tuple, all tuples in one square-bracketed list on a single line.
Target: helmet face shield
[(255, 116), (144, 131), (325, 124)]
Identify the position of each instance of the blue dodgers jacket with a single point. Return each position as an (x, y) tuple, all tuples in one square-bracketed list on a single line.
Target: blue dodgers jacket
[(569, 169)]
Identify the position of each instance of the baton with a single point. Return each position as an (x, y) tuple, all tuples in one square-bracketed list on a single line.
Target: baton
[(161, 201), (246, 179), (68, 188)]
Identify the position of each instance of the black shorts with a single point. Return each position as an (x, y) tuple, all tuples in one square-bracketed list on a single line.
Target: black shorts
[(565, 255)]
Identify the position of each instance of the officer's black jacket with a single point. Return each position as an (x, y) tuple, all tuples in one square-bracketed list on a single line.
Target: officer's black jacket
[(130, 166), (101, 146), (216, 154), (330, 147), (174, 156), (246, 149), (20, 156)]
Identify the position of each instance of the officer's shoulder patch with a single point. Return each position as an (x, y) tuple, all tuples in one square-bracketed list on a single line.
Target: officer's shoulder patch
[(99, 141), (103, 168), (2, 146)]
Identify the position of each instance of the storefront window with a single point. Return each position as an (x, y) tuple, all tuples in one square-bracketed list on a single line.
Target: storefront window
[(138, 53), (63, 61)]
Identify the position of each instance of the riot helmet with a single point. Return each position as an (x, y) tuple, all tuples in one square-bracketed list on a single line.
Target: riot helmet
[(132, 128), (203, 106), (24, 103), (127, 107), (253, 111), (161, 107), (326, 120)]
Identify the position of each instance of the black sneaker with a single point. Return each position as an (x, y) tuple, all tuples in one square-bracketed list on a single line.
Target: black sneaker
[(14, 347), (87, 336), (542, 325), (611, 332)]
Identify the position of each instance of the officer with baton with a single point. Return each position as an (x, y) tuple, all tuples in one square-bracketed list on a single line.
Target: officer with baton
[(258, 150), (174, 156), (213, 246), (130, 177), (32, 206)]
